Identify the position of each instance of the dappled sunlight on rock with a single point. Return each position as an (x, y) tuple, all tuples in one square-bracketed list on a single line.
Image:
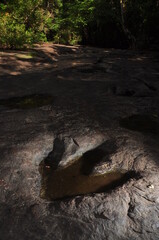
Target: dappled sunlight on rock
[(87, 119)]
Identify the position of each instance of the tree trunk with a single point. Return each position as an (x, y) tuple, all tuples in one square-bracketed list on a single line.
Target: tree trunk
[(129, 35)]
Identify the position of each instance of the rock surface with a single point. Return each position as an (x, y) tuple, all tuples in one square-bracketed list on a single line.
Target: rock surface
[(96, 92)]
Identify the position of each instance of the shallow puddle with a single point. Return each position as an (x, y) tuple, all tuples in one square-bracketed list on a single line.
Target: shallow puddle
[(76, 179), (27, 102), (142, 123)]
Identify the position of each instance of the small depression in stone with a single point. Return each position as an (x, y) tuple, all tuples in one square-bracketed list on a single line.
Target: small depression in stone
[(94, 69), (27, 102), (77, 178), (148, 124)]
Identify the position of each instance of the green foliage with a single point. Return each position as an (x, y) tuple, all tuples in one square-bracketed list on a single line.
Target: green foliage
[(108, 23), (96, 22), (71, 19), (23, 22)]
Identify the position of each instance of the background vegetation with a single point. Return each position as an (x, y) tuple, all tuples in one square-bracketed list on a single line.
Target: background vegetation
[(104, 23)]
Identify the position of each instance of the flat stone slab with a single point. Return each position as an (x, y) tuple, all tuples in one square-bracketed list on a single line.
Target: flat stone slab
[(97, 100)]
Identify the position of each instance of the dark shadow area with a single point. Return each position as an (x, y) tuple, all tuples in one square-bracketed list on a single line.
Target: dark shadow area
[(54, 157), (146, 124), (93, 69), (99, 155), (109, 35)]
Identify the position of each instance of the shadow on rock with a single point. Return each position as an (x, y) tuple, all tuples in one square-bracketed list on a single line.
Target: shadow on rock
[(147, 124), (93, 172)]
